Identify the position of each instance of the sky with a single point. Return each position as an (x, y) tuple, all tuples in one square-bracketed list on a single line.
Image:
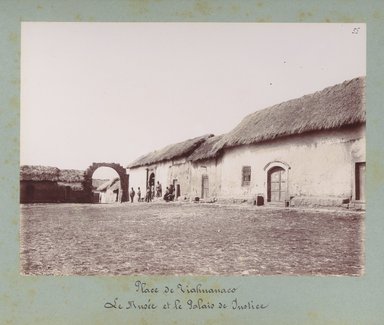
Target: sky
[(111, 92)]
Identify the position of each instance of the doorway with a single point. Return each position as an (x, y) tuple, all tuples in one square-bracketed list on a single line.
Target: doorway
[(360, 181), (205, 187), (151, 180), (277, 184)]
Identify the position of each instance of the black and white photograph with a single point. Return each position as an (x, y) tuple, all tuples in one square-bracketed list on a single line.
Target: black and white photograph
[(192, 149)]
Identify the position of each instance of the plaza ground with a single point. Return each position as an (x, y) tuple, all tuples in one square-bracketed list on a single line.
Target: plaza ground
[(180, 238)]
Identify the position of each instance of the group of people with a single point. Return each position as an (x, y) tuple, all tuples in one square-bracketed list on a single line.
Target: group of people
[(153, 192), (169, 193), (149, 194)]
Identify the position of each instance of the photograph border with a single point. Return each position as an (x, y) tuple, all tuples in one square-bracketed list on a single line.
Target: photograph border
[(291, 299)]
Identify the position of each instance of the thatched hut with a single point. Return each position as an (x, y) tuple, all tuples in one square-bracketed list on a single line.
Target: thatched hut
[(305, 151), (110, 191), (166, 166), (44, 184), (309, 150)]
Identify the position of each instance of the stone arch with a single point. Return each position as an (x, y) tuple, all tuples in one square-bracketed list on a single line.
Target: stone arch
[(124, 179), (277, 163)]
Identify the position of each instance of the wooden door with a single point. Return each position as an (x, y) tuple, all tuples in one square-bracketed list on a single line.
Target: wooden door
[(360, 181), (276, 184), (205, 187)]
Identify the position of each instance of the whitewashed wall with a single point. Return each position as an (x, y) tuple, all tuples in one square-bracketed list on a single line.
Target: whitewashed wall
[(108, 196), (318, 165), (321, 164), (161, 174), (138, 176), (180, 171), (211, 168)]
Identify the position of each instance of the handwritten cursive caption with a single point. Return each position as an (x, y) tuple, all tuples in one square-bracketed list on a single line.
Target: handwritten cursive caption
[(214, 298)]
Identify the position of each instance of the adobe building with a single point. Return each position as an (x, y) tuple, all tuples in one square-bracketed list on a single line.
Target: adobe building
[(166, 166), (309, 150), (42, 184), (110, 191), (306, 151)]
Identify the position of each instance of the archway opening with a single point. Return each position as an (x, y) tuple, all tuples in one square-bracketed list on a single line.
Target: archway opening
[(106, 185), (151, 180), (121, 172)]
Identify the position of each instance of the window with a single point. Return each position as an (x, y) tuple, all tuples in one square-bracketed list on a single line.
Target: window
[(246, 176)]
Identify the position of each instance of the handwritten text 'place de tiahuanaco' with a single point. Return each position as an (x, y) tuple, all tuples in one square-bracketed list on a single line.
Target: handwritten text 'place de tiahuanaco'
[(213, 298)]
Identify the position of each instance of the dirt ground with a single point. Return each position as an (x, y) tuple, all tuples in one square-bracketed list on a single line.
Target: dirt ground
[(175, 239)]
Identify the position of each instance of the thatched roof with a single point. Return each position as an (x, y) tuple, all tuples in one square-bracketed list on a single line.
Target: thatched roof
[(52, 174), (206, 150), (334, 107), (97, 182), (173, 151), (39, 173), (111, 184), (71, 175)]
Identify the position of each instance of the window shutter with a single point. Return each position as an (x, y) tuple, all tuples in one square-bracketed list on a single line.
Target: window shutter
[(246, 175)]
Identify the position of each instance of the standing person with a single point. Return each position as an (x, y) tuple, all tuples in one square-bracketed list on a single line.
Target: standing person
[(158, 189), (132, 194), (138, 194), (148, 195), (152, 192)]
